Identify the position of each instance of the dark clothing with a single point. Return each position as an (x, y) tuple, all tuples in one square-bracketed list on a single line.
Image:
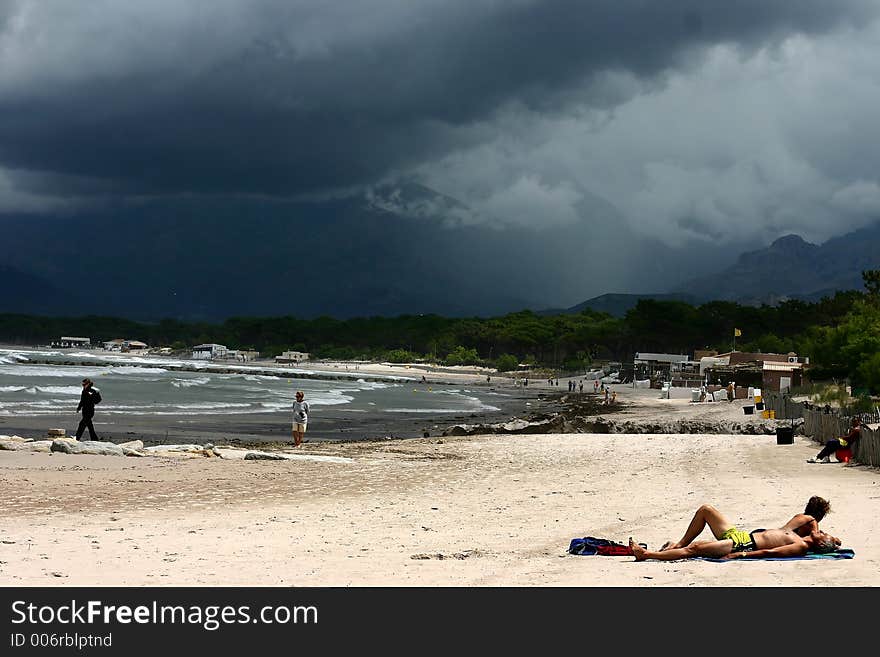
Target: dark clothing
[(87, 401), (834, 444), (86, 423), (87, 406), (830, 448)]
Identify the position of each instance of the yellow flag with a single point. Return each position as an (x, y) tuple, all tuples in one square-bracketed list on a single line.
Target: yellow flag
[(737, 333)]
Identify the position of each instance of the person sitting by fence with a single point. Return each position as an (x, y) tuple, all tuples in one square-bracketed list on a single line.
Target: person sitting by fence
[(850, 439)]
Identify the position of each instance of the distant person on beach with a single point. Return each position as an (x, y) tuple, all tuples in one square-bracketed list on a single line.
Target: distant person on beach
[(730, 391), (300, 418), (850, 439), (581, 386), (595, 385), (733, 543), (88, 398), (614, 397)]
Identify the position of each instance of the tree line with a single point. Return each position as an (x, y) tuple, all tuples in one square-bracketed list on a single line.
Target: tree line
[(840, 333)]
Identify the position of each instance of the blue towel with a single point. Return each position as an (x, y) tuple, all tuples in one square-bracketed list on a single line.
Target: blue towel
[(842, 553)]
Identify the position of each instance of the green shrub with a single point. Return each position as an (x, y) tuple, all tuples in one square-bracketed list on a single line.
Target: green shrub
[(506, 363)]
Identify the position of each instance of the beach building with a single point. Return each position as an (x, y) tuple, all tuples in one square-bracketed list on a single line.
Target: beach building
[(122, 345), (242, 355), (67, 342), (292, 357), (210, 351), (771, 372), (660, 367), (782, 377)]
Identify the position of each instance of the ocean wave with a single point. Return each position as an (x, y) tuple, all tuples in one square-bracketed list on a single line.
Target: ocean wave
[(12, 388), (52, 371), (61, 390), (201, 406), (130, 369), (426, 410), (33, 352), (189, 383), (482, 407)]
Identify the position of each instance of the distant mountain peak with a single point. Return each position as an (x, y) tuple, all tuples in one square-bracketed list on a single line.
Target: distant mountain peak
[(792, 268), (792, 241)]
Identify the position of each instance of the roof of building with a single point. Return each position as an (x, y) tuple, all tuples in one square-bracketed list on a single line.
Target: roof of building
[(781, 367), (662, 358)]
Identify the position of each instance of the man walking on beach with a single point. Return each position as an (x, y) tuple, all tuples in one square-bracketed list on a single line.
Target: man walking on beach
[(87, 400), (300, 418)]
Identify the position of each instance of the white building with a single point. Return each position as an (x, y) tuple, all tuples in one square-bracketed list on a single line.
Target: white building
[(209, 351), (292, 357), (242, 355), (67, 342)]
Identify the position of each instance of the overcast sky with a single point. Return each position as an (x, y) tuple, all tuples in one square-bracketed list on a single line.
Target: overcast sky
[(704, 119)]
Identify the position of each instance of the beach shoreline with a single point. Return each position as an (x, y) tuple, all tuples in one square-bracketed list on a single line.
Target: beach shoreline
[(485, 510), (328, 423), (506, 401)]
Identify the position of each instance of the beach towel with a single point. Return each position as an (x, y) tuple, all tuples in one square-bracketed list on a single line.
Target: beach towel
[(842, 553), (589, 545)]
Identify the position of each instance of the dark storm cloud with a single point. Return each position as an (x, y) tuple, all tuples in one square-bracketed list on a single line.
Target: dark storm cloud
[(289, 98)]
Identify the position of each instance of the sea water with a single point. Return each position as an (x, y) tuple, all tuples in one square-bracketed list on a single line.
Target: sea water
[(135, 386)]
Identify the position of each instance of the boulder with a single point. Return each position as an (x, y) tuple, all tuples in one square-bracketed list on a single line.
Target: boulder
[(230, 453), (542, 424), (96, 447), (24, 445), (137, 445), (179, 451), (174, 448), (264, 456), (287, 456)]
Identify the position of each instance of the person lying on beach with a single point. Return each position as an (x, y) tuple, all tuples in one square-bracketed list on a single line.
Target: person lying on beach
[(803, 524), (733, 543)]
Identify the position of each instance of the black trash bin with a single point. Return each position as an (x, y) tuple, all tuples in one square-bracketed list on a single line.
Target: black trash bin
[(749, 410), (784, 435)]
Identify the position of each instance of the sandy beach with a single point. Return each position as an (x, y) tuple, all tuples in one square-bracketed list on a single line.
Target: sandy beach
[(496, 510)]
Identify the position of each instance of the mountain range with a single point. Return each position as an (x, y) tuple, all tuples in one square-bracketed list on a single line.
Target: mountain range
[(401, 249), (791, 268)]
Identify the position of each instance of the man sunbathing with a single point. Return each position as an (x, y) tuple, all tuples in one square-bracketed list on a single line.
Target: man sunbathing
[(798, 536)]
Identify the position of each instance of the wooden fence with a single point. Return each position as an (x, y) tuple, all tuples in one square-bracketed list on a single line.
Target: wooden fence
[(822, 426)]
